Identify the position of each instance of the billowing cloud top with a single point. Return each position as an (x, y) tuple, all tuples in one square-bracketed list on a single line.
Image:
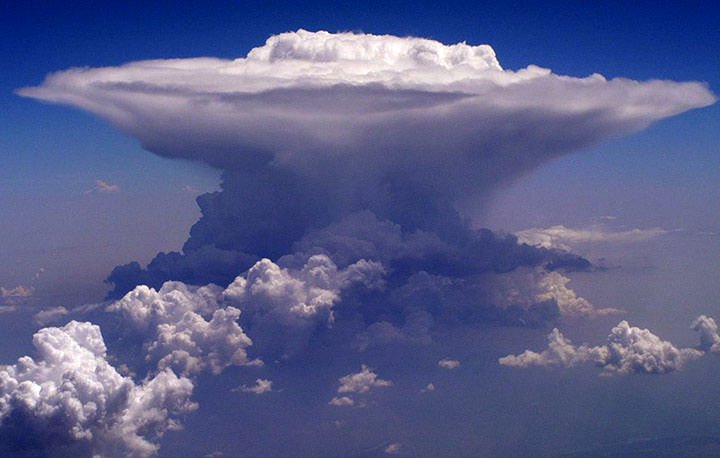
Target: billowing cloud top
[(305, 99)]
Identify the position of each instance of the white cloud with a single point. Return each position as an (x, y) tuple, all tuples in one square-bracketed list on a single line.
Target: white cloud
[(70, 393), (186, 327), (358, 383), (261, 386), (447, 363), (428, 387), (628, 350), (50, 315), (299, 294), (566, 238), (342, 401), (105, 187), (361, 382), (393, 449)]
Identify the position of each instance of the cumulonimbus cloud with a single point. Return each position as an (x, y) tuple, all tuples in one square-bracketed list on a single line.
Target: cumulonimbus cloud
[(306, 99), (363, 116), (347, 162), (313, 127)]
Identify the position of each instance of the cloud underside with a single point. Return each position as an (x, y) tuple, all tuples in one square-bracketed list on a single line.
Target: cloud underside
[(348, 160)]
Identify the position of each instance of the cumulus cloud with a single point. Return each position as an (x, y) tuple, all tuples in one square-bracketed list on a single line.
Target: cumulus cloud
[(708, 329), (629, 350), (566, 238), (361, 382), (302, 293), (447, 363), (70, 394), (393, 449), (342, 401), (357, 383), (186, 328), (261, 386)]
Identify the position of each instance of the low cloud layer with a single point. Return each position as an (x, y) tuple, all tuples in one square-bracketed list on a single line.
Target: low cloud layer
[(629, 350)]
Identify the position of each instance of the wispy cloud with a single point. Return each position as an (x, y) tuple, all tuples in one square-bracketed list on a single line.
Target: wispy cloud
[(16, 295), (567, 238), (261, 386)]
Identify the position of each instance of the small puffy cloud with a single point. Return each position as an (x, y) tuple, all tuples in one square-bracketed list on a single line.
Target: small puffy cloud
[(261, 386), (50, 315), (629, 350), (105, 187), (393, 449), (566, 238), (428, 387), (361, 382), (447, 363), (342, 401), (70, 394)]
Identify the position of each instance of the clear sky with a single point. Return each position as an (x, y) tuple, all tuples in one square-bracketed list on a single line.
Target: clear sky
[(412, 282)]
